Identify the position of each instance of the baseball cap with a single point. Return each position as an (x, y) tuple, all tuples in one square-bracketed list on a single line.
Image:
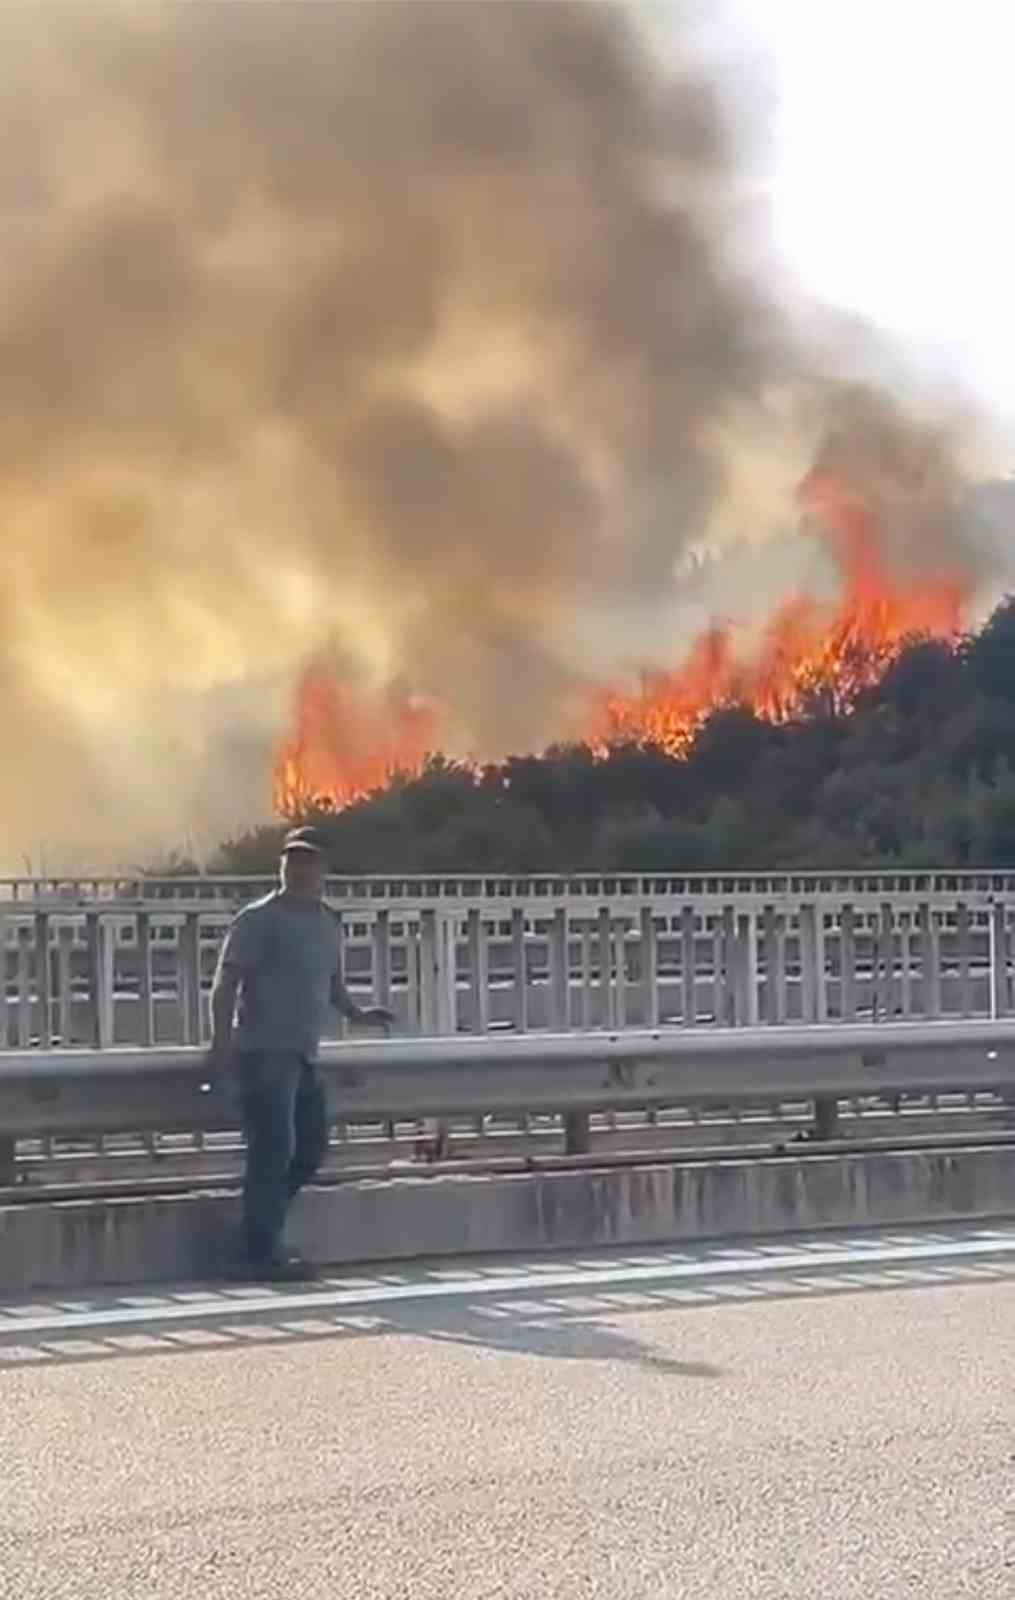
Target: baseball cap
[(309, 839)]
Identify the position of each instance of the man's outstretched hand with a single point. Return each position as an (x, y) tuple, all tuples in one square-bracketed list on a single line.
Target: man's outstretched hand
[(376, 1017)]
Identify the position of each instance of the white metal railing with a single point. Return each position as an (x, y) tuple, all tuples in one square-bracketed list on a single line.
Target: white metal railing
[(116, 971)]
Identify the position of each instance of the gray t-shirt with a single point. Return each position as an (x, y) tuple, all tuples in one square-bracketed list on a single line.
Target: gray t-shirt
[(287, 950)]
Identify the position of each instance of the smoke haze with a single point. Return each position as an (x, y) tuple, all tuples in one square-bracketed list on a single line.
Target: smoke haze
[(415, 332)]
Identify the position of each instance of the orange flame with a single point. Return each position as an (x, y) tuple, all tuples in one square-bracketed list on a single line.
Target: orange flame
[(344, 748), (808, 651)]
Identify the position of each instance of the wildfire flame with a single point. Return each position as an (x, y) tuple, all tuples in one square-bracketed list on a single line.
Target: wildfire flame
[(343, 748), (808, 651)]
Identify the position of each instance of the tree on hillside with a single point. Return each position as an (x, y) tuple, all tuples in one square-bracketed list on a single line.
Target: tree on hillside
[(919, 771)]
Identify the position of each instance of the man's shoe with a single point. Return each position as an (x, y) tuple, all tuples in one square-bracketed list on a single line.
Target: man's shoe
[(282, 1269)]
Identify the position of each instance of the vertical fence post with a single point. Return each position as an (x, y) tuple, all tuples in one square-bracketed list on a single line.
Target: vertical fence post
[(381, 963), (847, 962), (94, 966), (586, 974), (688, 968), (447, 974), (144, 979), (779, 966), (65, 982), (906, 965), (5, 1015), (413, 976), (24, 986), (748, 940), (44, 979), (930, 961), (605, 943), (107, 983), (620, 968), (479, 971), (428, 971), (820, 966), (809, 978), (520, 997), (727, 972), (769, 939), (884, 965), (649, 968), (998, 962), (964, 941), (190, 977), (560, 976)]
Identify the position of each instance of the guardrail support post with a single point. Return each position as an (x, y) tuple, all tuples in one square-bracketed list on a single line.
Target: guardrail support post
[(8, 1172), (577, 1133), (826, 1118)]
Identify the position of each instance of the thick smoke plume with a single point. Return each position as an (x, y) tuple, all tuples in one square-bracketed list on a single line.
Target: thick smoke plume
[(409, 331)]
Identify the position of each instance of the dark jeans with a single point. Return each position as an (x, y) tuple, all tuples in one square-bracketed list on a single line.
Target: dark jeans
[(286, 1126)]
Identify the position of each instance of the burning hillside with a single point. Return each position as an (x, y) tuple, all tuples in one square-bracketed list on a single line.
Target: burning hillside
[(342, 749)]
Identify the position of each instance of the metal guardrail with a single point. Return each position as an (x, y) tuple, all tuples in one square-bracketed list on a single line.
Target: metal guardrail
[(135, 1091)]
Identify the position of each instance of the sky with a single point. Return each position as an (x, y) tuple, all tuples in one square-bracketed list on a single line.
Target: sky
[(888, 170)]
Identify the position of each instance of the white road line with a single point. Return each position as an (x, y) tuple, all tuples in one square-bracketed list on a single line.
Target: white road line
[(207, 1304)]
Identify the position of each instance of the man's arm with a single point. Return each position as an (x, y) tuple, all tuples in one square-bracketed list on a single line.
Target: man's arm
[(228, 977), (238, 958)]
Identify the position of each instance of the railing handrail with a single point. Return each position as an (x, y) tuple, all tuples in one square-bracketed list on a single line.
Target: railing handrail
[(882, 877)]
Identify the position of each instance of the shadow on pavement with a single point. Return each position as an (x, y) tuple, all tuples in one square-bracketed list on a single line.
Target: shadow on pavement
[(574, 1324)]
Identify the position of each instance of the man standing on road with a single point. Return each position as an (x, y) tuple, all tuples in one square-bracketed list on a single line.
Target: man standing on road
[(278, 975)]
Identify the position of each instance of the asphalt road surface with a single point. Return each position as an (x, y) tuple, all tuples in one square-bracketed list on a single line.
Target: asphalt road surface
[(820, 1418)]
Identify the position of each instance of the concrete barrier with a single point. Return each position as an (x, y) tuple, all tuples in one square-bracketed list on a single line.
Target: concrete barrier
[(72, 1244)]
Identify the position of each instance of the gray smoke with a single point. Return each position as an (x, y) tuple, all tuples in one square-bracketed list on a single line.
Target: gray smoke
[(404, 329)]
